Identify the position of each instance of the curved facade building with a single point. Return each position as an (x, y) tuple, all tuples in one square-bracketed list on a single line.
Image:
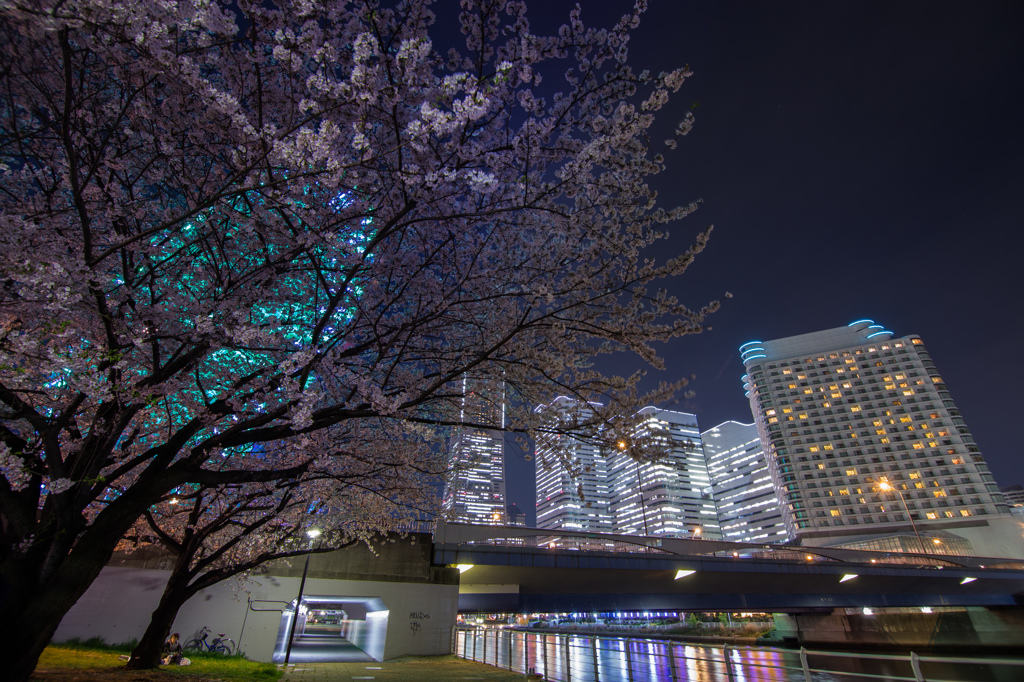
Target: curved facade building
[(862, 437)]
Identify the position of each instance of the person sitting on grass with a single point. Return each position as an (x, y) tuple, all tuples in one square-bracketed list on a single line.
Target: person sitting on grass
[(172, 651)]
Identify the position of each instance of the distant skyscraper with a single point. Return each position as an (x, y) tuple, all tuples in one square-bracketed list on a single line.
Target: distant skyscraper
[(860, 431), (671, 496), (475, 489), (748, 508), (559, 502)]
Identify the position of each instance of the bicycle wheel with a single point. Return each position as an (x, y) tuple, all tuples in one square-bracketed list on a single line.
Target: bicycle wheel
[(222, 649), (193, 645), (230, 644)]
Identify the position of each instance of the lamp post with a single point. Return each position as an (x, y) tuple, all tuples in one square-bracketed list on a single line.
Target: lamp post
[(884, 484), (312, 533), (639, 489)]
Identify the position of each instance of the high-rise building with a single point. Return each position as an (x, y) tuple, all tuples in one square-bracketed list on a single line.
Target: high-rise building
[(748, 507), (573, 490), (582, 485), (670, 496), (862, 437), (475, 487)]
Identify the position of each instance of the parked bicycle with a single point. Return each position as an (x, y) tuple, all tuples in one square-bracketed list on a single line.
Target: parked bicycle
[(218, 645)]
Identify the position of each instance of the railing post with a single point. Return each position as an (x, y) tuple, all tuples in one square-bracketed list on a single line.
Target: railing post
[(483, 659), (629, 661), (544, 654), (510, 634), (672, 661), (568, 670), (593, 649), (728, 663), (803, 664), (915, 664)]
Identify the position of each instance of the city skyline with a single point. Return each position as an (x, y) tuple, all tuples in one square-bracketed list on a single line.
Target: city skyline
[(839, 148)]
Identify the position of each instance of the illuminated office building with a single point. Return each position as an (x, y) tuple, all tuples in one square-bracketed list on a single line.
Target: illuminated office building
[(475, 487), (672, 495), (862, 437), (747, 504), (669, 497), (566, 502)]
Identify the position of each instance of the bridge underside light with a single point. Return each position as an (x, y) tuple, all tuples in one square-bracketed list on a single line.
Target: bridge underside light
[(682, 573), (464, 567), (847, 576), (967, 580), (868, 612), (926, 609)]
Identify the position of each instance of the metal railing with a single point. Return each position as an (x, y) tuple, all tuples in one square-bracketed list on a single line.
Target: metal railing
[(560, 657)]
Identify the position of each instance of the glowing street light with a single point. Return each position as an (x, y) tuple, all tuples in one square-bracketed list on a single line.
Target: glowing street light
[(313, 534)]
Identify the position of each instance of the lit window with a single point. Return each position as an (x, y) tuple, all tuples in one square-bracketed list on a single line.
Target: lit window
[(844, 491), (879, 432), (827, 446), (851, 472), (836, 394), (884, 440), (905, 419), (949, 514), (786, 371), (787, 410), (933, 444), (909, 391), (914, 474), (836, 512), (826, 404), (931, 515), (936, 380), (916, 342), (801, 376), (821, 466), (965, 512), (770, 412), (846, 385), (814, 448), (943, 434), (808, 391), (855, 408), (792, 385), (957, 460), (803, 416), (890, 387), (939, 493), (919, 446)]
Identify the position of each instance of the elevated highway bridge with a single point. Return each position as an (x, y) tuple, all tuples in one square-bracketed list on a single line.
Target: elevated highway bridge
[(525, 570)]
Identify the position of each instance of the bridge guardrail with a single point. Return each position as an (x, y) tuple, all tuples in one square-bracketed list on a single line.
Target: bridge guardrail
[(577, 657)]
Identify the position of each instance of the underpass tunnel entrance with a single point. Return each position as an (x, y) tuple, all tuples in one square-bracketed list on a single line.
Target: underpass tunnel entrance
[(334, 629)]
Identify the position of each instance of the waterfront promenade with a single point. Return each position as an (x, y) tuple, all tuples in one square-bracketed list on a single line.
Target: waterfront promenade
[(404, 669)]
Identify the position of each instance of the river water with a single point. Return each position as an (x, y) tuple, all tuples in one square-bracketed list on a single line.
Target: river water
[(583, 658)]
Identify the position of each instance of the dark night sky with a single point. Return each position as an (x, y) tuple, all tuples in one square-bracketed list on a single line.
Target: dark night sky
[(857, 159)]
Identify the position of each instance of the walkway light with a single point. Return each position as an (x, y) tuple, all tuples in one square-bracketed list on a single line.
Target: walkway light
[(682, 573), (847, 576), (967, 580), (464, 567)]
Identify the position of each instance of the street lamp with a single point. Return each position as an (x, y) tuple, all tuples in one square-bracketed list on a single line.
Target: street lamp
[(639, 488), (884, 484), (312, 533)]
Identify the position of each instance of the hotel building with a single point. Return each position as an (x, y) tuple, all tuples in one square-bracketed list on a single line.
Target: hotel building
[(862, 438)]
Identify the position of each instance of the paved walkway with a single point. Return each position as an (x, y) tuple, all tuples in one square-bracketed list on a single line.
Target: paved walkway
[(405, 669)]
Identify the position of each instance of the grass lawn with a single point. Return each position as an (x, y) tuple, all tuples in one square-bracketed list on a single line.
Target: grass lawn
[(100, 663)]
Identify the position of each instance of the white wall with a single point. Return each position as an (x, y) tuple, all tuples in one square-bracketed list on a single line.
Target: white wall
[(118, 604)]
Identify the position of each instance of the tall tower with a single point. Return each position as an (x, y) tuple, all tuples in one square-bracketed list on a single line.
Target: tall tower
[(862, 437), (672, 495), (475, 489), (748, 506), (560, 504)]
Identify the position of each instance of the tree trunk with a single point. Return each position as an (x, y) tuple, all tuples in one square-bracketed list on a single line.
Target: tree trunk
[(147, 652), (31, 612)]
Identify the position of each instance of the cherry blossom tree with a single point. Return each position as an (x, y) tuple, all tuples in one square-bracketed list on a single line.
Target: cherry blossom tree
[(230, 228)]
